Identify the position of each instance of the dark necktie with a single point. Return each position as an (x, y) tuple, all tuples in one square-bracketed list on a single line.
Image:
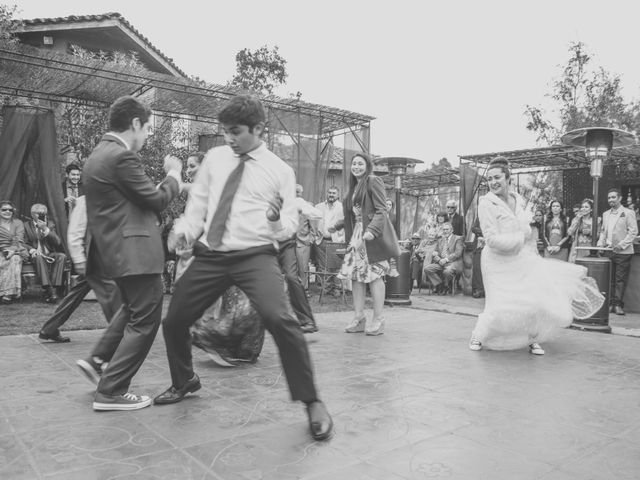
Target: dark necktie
[(220, 217)]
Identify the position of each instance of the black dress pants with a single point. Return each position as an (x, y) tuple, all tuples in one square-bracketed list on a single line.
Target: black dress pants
[(50, 274), (620, 267), (106, 292), (128, 338), (257, 273), (289, 266)]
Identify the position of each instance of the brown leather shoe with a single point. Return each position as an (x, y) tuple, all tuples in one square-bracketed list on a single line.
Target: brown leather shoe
[(320, 423), (174, 395)]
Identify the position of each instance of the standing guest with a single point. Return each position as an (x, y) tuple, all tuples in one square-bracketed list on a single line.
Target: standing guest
[(477, 285), (580, 230), (441, 219), (455, 219), (371, 237), (45, 249), (446, 263), (307, 230), (537, 229), (12, 252), (619, 229), (528, 298), (391, 211), (105, 289), (123, 213), (329, 230), (241, 199), (71, 186), (556, 235)]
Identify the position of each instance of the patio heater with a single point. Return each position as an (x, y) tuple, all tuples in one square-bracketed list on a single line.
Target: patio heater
[(597, 143), (398, 288)]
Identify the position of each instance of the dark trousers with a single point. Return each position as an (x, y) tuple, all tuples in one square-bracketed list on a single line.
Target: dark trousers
[(289, 266), (416, 272), (50, 274), (477, 285), (620, 266), (106, 292), (128, 338), (257, 273)]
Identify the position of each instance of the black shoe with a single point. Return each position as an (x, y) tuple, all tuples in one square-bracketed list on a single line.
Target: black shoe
[(618, 310), (56, 337), (320, 423), (53, 298), (174, 395), (91, 369), (309, 328)]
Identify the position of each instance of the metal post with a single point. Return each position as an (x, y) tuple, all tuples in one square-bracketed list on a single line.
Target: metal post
[(398, 186), (594, 223)]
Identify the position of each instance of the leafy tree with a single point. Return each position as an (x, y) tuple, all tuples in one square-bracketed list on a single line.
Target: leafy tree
[(8, 24), (584, 97), (259, 71)]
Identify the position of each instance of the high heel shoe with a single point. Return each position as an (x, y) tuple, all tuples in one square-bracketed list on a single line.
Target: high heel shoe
[(376, 327), (356, 325)]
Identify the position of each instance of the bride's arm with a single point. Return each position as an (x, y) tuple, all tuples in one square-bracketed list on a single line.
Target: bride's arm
[(503, 242)]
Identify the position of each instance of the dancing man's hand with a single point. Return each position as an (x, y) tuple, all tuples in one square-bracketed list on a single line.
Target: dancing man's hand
[(80, 268), (368, 236), (273, 212), (175, 241)]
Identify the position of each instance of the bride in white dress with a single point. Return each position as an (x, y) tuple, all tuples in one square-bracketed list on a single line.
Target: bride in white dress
[(528, 298)]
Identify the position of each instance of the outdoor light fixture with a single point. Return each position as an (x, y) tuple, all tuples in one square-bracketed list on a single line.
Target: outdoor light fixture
[(398, 288), (597, 143)]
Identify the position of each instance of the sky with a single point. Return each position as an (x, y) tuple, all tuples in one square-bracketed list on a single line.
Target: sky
[(443, 79)]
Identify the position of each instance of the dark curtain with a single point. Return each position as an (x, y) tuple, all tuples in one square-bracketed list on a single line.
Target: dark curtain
[(29, 164), (470, 180)]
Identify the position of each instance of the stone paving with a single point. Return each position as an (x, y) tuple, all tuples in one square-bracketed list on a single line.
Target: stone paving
[(414, 403)]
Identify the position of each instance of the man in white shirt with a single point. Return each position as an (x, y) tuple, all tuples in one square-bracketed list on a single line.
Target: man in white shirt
[(332, 214), (241, 202), (106, 290)]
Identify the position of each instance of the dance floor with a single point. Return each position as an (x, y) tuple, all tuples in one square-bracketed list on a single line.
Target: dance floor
[(414, 403)]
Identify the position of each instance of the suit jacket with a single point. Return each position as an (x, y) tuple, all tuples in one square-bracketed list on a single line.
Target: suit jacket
[(123, 211), (624, 229), (457, 222), (455, 249), (51, 242)]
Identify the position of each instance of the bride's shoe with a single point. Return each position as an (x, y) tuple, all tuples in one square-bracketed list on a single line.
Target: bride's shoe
[(376, 327), (536, 349), (356, 325)]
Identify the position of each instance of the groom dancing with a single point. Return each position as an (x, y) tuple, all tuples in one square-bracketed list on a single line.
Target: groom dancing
[(241, 201)]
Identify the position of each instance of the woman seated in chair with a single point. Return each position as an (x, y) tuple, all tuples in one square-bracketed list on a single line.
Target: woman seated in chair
[(12, 253)]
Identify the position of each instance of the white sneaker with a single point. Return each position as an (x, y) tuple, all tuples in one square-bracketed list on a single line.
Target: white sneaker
[(475, 345), (126, 401), (536, 349)]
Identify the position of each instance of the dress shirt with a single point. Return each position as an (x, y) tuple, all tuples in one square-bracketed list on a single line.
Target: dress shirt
[(77, 231), (264, 177), (308, 214), (613, 218), (332, 213)]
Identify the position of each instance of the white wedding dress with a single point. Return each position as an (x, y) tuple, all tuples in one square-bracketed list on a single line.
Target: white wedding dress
[(528, 297)]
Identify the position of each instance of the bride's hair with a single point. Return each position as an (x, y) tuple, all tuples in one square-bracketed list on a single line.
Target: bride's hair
[(502, 163)]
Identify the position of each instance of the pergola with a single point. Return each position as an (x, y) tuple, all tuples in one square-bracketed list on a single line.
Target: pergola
[(304, 130)]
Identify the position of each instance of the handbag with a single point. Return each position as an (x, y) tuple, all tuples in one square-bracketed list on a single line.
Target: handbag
[(389, 239)]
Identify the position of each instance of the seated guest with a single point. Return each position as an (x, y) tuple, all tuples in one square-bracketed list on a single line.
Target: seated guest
[(12, 252), (424, 251), (441, 219), (415, 260), (45, 249), (71, 187), (447, 260)]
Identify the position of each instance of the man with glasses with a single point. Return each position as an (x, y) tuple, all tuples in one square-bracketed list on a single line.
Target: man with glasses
[(455, 219)]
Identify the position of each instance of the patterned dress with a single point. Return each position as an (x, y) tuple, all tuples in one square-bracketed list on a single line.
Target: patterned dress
[(356, 266)]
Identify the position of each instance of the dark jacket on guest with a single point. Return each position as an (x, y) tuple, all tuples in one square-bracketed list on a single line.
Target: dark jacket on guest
[(457, 222), (123, 211), (51, 242), (374, 220)]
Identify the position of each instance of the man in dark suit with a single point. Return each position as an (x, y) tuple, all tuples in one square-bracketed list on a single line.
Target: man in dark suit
[(447, 260), (123, 213), (71, 187), (455, 219), (45, 249)]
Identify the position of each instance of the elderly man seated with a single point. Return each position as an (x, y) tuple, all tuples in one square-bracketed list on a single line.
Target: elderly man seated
[(45, 250), (446, 262)]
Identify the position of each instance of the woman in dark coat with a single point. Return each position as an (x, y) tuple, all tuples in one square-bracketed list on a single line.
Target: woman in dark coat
[(372, 242)]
